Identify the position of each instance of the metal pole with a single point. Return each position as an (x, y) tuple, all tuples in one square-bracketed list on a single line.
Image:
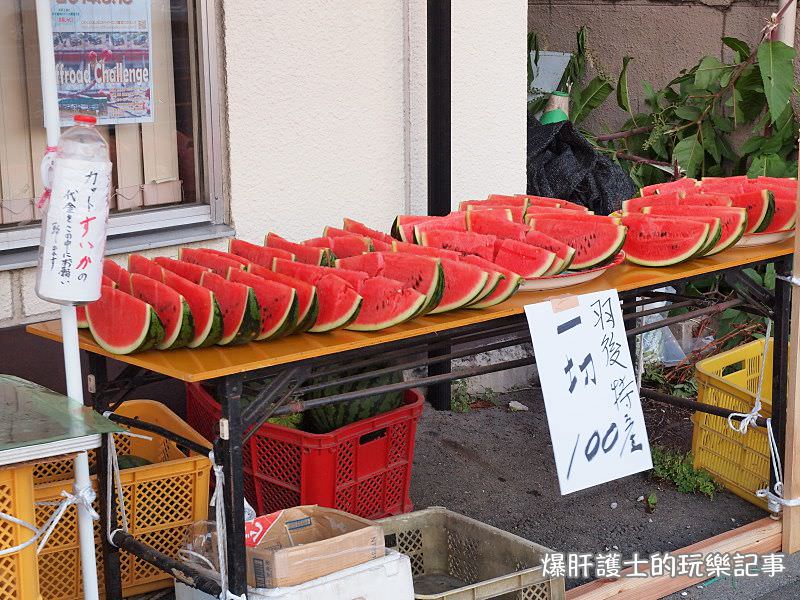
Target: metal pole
[(439, 107), (785, 30), (69, 320)]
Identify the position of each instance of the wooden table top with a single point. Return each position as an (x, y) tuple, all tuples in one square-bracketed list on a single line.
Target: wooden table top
[(193, 365)]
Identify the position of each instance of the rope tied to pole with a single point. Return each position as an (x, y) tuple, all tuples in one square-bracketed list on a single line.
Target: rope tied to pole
[(218, 502)]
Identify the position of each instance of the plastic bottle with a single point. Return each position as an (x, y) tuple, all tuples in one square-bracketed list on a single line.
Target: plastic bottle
[(75, 218)]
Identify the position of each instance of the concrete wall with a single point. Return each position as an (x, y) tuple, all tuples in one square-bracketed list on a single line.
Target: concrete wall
[(663, 36)]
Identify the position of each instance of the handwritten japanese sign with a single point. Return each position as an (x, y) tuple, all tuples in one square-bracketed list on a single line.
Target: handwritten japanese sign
[(589, 387), (74, 232)]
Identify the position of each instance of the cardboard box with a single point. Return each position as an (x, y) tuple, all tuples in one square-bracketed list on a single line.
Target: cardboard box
[(292, 546)]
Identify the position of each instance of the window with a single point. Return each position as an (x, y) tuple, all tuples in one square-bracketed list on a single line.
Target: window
[(167, 171)]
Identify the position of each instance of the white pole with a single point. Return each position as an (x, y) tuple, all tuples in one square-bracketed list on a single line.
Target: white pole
[(69, 320), (785, 31)]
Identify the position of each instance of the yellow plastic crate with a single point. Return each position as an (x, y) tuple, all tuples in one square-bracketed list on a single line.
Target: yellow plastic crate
[(161, 500), (19, 578), (730, 380)]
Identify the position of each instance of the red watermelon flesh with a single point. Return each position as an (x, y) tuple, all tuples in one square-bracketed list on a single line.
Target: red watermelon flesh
[(107, 281), (487, 223), (505, 288), (229, 255), (462, 284), (339, 304), (361, 229), (720, 186), (452, 222), (144, 266), (342, 247), (380, 246), (123, 324), (80, 311), (760, 206), (555, 203), (783, 219), (421, 273), (572, 205), (307, 303), (277, 302), (527, 260), (206, 313), (665, 199), (509, 213), (399, 246), (241, 315), (218, 264), (659, 188), (304, 254), (118, 275), (334, 232), (567, 215), (255, 254), (171, 308), (594, 243), (312, 274), (660, 242), (733, 221), (385, 302), (186, 270), (504, 200), (564, 253), (458, 241)]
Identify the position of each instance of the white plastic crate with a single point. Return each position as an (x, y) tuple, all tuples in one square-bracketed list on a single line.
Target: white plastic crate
[(385, 578)]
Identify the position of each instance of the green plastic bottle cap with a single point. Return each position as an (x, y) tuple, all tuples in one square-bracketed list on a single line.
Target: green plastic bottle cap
[(553, 116)]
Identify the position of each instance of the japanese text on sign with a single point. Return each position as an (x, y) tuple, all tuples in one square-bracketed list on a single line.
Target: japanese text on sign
[(589, 387), (74, 232)]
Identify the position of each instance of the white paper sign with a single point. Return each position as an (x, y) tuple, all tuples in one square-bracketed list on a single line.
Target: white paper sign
[(589, 387), (74, 232)]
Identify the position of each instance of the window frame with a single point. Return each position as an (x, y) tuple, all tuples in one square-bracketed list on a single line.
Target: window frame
[(168, 225)]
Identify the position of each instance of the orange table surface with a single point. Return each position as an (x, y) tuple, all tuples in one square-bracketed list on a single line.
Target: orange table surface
[(207, 363)]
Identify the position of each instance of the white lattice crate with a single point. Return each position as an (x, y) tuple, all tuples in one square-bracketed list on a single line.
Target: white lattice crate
[(454, 557), (385, 578)]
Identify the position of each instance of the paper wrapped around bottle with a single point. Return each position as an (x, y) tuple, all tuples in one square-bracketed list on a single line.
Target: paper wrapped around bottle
[(295, 545)]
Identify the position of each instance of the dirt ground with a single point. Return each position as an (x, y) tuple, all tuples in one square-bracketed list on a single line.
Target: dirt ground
[(497, 466)]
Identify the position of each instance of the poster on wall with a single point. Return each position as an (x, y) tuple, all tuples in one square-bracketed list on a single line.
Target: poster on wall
[(103, 60)]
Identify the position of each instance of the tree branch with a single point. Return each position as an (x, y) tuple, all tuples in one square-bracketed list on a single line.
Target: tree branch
[(624, 134), (641, 159)]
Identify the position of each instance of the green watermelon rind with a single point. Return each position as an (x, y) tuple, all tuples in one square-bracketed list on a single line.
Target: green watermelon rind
[(609, 255), (409, 313), (183, 334), (465, 298), (732, 240), (286, 325), (766, 213), (502, 298), (306, 321), (673, 260), (249, 324), (559, 265), (150, 335), (711, 240), (434, 297), (495, 279), (214, 329), (342, 322)]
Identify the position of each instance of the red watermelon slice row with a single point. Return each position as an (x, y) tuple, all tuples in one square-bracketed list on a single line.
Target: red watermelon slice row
[(595, 243), (213, 260), (305, 254), (504, 289), (118, 275), (186, 270), (686, 183), (205, 309), (241, 314), (342, 246), (307, 303), (255, 254), (171, 308), (123, 324), (276, 301), (457, 241), (524, 259), (360, 229), (385, 303), (733, 221), (661, 242), (487, 223)]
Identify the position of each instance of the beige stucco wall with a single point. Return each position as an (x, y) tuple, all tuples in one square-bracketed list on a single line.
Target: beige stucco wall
[(664, 37)]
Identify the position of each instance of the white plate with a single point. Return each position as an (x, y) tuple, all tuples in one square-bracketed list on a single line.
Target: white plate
[(568, 279), (761, 239)]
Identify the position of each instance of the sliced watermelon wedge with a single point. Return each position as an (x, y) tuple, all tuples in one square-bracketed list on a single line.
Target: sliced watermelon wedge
[(421, 273), (453, 222), (277, 302), (487, 223), (457, 241), (385, 302), (567, 215), (505, 200), (206, 313), (144, 266), (685, 183), (118, 275), (186, 270), (594, 243), (304, 254), (342, 246), (307, 303), (229, 255), (783, 219), (564, 254), (241, 321), (493, 280), (339, 304), (122, 324), (80, 311), (171, 308), (359, 228), (505, 288), (404, 247), (218, 264), (255, 254), (733, 221), (528, 261), (760, 206), (462, 284), (311, 273), (661, 242)]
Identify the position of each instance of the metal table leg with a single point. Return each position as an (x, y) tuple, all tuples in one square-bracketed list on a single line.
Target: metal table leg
[(229, 454), (98, 372), (439, 393)]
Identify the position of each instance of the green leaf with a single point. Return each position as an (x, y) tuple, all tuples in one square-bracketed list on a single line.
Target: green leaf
[(710, 141), (688, 113), (722, 122), (650, 95), (769, 165), (777, 73), (622, 86), (708, 72), (689, 154), (592, 96), (742, 49), (752, 274), (753, 144), (769, 277)]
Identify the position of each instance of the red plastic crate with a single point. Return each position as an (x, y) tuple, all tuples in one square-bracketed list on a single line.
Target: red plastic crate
[(363, 468)]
